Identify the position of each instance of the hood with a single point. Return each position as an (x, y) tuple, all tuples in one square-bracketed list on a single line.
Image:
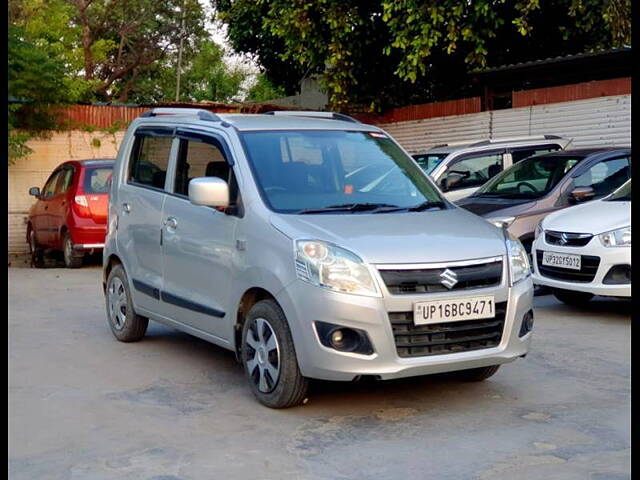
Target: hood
[(492, 206), (591, 217), (414, 237)]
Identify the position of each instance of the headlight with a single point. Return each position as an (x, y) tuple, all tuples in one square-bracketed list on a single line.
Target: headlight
[(501, 222), (616, 238), (539, 230), (326, 265), (518, 260)]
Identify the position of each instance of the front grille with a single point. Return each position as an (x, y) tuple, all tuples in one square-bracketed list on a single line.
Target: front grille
[(449, 337), (567, 239), (429, 280), (588, 268)]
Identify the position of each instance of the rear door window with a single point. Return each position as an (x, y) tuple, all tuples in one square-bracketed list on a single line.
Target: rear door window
[(150, 160)]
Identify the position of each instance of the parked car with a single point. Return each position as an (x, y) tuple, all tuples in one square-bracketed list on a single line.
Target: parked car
[(251, 235), (459, 169), (585, 250), (70, 213), (524, 194)]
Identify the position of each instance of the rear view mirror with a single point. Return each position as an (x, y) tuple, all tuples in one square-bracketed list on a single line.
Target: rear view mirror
[(209, 191), (581, 194), (34, 191)]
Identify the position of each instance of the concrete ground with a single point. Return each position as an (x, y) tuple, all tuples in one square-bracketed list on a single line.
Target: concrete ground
[(83, 406)]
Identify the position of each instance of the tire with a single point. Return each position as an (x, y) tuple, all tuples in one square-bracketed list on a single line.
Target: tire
[(70, 260), (271, 353), (476, 374), (125, 323), (575, 299), (37, 253)]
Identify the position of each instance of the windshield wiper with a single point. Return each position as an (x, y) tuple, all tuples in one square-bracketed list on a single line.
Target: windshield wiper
[(349, 207), (427, 205)]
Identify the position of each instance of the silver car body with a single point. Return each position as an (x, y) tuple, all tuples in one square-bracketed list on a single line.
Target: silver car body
[(506, 147), (195, 277)]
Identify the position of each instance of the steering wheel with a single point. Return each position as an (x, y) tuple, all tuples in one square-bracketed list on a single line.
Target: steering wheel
[(528, 185)]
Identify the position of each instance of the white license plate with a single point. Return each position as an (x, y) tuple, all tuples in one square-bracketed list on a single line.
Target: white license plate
[(561, 260), (453, 309)]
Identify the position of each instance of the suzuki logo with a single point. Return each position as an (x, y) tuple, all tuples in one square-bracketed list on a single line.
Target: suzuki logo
[(563, 239), (449, 279)]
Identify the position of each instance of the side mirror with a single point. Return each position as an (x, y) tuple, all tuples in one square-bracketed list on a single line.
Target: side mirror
[(451, 180), (209, 191), (34, 191), (581, 194)]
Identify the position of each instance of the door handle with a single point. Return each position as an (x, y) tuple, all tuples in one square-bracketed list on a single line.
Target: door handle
[(126, 208), (171, 222)]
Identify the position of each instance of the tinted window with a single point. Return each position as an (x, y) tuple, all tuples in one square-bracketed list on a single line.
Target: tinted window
[(623, 194), (97, 180), (299, 170), (64, 180), (518, 155), (198, 159), (530, 178), (604, 177), (475, 171), (150, 158), (49, 188), (429, 161)]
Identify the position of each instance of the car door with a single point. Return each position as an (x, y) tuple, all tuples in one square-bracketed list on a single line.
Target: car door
[(44, 234), (470, 172), (197, 241), (140, 199), (58, 205)]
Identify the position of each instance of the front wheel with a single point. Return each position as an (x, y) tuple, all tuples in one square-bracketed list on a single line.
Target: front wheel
[(37, 254), (269, 357), (125, 323), (575, 299)]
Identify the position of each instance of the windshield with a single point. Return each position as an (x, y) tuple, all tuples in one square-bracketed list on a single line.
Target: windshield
[(97, 180), (623, 194), (429, 161), (331, 171), (533, 177)]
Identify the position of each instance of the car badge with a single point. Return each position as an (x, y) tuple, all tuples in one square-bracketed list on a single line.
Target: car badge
[(449, 278)]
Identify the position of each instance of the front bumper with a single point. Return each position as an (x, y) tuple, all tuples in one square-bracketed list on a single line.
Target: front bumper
[(609, 257), (303, 304)]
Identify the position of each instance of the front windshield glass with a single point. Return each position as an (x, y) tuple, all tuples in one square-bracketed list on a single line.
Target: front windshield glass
[(623, 194), (429, 161), (308, 171), (533, 177)]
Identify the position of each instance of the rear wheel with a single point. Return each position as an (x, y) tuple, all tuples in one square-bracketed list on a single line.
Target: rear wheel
[(269, 357), (125, 323), (576, 299), (71, 258), (476, 374)]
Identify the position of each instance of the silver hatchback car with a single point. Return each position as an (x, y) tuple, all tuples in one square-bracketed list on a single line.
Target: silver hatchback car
[(310, 244)]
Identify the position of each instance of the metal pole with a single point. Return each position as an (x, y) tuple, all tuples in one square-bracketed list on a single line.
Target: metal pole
[(180, 55)]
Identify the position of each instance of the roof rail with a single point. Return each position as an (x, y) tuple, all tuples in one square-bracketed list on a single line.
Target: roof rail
[(514, 139), (193, 112), (303, 113)]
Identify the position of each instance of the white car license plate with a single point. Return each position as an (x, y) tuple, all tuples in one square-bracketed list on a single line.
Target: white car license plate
[(561, 260), (453, 309)]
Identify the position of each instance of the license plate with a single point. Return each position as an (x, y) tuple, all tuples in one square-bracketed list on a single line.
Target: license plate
[(453, 309), (561, 260)]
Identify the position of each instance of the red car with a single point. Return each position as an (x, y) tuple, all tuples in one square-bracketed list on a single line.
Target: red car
[(71, 211)]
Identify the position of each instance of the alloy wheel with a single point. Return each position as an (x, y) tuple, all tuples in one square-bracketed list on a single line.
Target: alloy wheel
[(263, 355), (117, 296)]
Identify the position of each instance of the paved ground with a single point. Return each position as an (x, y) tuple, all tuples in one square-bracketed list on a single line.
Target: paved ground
[(84, 407)]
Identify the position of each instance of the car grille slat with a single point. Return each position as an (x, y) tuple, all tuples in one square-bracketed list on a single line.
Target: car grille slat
[(429, 280), (447, 337), (589, 267), (567, 239)]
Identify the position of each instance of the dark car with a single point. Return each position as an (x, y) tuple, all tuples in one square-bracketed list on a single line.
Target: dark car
[(525, 193), (71, 211)]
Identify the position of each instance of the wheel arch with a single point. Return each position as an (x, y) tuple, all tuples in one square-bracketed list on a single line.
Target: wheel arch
[(249, 298)]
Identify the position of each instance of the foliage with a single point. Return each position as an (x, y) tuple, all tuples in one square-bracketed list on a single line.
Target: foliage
[(384, 52), (263, 90)]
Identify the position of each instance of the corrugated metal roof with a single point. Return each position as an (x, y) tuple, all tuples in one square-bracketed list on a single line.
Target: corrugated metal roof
[(558, 59)]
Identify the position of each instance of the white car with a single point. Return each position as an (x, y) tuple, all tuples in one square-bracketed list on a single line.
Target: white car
[(585, 250)]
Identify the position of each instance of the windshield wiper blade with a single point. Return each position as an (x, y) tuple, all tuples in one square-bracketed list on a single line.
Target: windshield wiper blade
[(349, 207), (427, 205)]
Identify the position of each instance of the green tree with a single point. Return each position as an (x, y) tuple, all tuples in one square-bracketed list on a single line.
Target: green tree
[(263, 90), (381, 53)]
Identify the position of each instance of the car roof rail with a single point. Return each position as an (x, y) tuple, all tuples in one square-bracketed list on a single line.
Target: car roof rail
[(191, 112), (304, 113), (490, 141)]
